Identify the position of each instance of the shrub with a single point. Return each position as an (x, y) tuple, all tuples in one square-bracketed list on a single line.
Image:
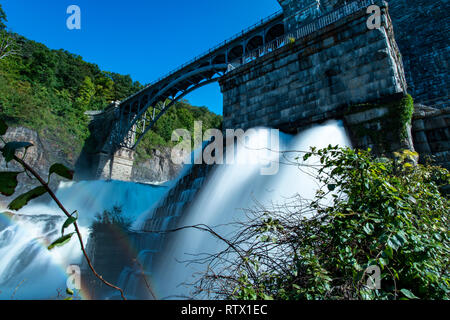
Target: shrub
[(368, 212)]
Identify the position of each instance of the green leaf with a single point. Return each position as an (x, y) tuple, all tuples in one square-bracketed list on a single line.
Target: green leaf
[(266, 297), (383, 262), (389, 252), (394, 243), (61, 241), (408, 294), (3, 127), (61, 170), (368, 228), (401, 237), (23, 199), (9, 150), (8, 183), (69, 291), (69, 221), (331, 187)]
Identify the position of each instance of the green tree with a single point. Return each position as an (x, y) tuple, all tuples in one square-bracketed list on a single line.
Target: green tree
[(49, 91), (3, 19), (85, 94), (7, 43)]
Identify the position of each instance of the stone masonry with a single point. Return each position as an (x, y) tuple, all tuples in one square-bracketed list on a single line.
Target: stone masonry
[(422, 33), (431, 134), (313, 79), (98, 159), (297, 12), (321, 75)]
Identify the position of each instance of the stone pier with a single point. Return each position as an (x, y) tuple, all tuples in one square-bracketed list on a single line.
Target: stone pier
[(116, 166), (99, 158)]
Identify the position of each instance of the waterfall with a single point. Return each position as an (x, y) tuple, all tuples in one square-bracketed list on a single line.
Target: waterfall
[(27, 269), (228, 190), (200, 195)]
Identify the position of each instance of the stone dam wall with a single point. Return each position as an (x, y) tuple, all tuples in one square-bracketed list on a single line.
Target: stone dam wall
[(128, 268), (422, 33), (431, 134), (344, 71), (312, 79)]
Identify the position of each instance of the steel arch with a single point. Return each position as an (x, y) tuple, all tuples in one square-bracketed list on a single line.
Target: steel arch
[(137, 122)]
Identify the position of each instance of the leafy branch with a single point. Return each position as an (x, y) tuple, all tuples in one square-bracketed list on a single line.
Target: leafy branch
[(9, 182), (367, 212)]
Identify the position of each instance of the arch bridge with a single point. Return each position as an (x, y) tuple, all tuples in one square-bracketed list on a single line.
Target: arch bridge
[(137, 114), (117, 131)]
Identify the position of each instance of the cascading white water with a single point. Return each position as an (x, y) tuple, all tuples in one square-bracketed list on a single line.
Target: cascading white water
[(27, 269), (235, 187)]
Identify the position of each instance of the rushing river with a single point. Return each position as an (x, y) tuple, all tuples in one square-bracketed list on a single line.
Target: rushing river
[(29, 271)]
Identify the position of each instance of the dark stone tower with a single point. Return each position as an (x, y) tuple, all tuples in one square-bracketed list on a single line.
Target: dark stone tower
[(421, 30)]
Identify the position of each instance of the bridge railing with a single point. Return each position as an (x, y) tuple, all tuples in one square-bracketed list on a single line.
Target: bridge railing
[(309, 28)]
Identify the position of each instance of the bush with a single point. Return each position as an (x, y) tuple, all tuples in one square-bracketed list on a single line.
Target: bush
[(368, 212)]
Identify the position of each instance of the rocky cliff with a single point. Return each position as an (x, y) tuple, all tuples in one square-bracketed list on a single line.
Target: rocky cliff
[(159, 168), (40, 157)]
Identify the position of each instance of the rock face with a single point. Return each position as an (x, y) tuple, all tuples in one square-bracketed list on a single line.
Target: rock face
[(159, 168), (42, 155), (37, 156)]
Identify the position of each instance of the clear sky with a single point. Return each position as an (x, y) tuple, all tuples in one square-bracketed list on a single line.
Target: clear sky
[(143, 38)]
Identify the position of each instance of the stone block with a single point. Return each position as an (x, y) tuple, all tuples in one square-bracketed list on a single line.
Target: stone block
[(366, 116)]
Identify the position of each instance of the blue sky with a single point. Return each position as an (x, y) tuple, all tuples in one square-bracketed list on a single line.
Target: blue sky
[(143, 38)]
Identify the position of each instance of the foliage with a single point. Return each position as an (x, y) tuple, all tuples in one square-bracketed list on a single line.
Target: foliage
[(181, 115), (367, 212), (49, 91), (9, 180), (396, 121), (3, 19), (7, 45), (403, 112)]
